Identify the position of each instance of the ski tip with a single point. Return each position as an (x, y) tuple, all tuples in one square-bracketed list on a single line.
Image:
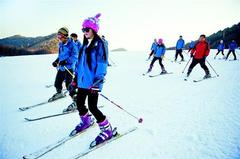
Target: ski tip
[(27, 119), (23, 109)]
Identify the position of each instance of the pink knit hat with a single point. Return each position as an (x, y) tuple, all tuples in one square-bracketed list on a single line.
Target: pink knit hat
[(160, 41), (92, 22)]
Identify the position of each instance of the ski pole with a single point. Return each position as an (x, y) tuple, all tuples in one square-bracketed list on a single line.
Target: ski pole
[(69, 71), (186, 65), (140, 120), (212, 68)]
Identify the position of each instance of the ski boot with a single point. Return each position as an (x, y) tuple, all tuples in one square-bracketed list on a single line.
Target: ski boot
[(105, 134), (71, 107), (86, 122), (56, 96), (207, 76), (163, 71)]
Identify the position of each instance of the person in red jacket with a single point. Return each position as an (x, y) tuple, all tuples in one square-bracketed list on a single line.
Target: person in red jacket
[(199, 53)]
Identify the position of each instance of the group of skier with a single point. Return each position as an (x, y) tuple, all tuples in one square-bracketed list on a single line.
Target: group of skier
[(198, 52), (83, 67)]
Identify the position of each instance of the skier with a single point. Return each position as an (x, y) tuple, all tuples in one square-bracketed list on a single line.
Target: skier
[(232, 46), (73, 93), (220, 48), (74, 37), (153, 48), (91, 69), (67, 58), (199, 53), (191, 46), (179, 48), (158, 55)]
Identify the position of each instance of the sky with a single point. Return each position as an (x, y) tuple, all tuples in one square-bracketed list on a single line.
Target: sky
[(132, 24)]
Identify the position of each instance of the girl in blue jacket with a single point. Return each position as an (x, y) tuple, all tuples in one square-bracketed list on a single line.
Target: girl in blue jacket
[(158, 55), (91, 69)]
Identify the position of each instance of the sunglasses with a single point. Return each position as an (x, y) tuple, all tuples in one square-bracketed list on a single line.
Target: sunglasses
[(85, 30)]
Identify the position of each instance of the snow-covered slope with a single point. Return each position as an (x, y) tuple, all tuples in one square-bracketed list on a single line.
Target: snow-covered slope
[(182, 119)]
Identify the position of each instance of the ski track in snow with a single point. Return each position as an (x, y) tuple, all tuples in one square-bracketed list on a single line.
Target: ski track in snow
[(181, 119)]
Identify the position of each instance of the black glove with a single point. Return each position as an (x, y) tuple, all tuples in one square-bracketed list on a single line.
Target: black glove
[(72, 88), (63, 63), (192, 55), (204, 58), (55, 63)]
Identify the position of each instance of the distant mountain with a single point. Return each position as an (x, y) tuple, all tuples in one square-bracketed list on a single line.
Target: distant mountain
[(118, 49), (20, 45), (227, 35)]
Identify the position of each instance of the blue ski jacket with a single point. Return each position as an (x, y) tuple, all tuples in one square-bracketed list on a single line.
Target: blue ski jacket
[(92, 65), (161, 49), (232, 45), (180, 44), (68, 52), (221, 46)]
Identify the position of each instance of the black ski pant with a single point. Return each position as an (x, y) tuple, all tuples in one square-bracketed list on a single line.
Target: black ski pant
[(233, 51), (61, 77), (92, 104), (160, 63), (179, 52), (195, 62), (219, 52)]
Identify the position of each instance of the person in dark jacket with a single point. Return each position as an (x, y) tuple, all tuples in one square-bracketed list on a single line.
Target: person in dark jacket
[(232, 46), (199, 53)]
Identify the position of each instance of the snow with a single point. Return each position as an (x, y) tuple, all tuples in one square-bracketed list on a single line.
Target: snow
[(181, 119)]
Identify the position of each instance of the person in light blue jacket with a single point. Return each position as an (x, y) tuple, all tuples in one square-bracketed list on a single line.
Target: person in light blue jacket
[(179, 48), (220, 48), (158, 55), (65, 63), (90, 73), (153, 48)]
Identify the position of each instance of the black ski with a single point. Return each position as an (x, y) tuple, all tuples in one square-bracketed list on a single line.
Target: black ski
[(54, 115), (202, 79), (51, 147), (117, 136), (160, 74)]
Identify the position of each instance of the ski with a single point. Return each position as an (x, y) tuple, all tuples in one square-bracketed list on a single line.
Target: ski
[(117, 136), (48, 86), (50, 116), (176, 62), (53, 146), (160, 74), (54, 115), (199, 80), (40, 104)]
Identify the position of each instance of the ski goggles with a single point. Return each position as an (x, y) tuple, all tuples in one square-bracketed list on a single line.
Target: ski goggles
[(85, 30)]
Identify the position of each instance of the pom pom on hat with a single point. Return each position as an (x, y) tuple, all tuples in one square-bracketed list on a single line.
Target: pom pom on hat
[(160, 41), (92, 22)]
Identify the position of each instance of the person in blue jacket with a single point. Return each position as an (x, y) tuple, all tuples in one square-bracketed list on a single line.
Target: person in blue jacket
[(67, 57), (232, 46), (153, 48), (220, 48), (191, 46), (78, 44), (91, 70), (158, 55), (179, 48)]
